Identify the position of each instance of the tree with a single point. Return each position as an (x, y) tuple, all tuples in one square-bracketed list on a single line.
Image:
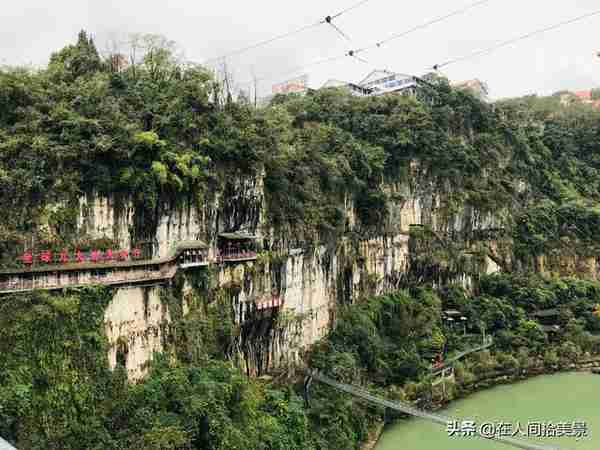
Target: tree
[(161, 57), (163, 438), (76, 60)]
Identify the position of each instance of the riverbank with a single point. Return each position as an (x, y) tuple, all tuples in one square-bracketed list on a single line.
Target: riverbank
[(494, 379), (513, 376), (558, 398), (385, 344), (374, 436)]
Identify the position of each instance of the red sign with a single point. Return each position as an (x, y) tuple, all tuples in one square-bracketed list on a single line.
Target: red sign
[(46, 256), (64, 257), (27, 258), (95, 256)]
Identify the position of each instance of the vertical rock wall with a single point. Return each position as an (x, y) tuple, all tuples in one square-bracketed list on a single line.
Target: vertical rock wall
[(134, 328), (310, 283)]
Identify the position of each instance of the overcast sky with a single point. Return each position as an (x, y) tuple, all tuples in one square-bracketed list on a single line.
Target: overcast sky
[(563, 59)]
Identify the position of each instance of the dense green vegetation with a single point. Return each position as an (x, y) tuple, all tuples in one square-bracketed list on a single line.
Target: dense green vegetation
[(151, 133), (56, 391), (159, 133), (388, 343)]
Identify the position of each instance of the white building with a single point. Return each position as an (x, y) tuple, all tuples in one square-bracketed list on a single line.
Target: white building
[(381, 82), (354, 89), (378, 82)]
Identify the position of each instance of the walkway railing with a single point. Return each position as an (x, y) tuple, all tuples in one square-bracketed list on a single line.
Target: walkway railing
[(236, 255), (411, 410), (53, 277)]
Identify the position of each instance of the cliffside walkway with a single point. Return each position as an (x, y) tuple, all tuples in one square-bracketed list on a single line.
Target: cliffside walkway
[(185, 255), (411, 410), (119, 271)]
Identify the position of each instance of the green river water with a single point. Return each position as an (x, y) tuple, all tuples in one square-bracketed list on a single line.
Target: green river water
[(553, 398)]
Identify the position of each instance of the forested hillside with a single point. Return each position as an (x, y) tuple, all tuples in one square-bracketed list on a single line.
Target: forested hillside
[(162, 133)]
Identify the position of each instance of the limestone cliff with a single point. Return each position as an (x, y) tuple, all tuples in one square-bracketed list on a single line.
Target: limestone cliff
[(308, 282)]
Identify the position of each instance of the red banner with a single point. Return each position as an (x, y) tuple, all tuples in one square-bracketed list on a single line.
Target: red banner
[(96, 256)]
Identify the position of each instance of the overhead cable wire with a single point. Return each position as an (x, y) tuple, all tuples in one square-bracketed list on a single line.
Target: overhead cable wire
[(422, 26), (350, 8), (312, 64), (353, 53), (336, 28), (265, 42), (327, 20), (517, 39)]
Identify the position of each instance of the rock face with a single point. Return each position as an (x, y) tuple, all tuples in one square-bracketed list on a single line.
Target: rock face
[(303, 286), (133, 324)]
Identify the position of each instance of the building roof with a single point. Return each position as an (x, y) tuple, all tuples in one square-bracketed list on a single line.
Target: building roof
[(334, 83), (295, 85), (374, 76), (583, 95), (352, 87)]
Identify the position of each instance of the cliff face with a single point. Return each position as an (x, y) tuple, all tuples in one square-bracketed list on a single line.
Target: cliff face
[(134, 328), (462, 180), (298, 288), (236, 207)]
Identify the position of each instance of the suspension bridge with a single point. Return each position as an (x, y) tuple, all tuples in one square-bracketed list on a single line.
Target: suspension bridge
[(416, 412)]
